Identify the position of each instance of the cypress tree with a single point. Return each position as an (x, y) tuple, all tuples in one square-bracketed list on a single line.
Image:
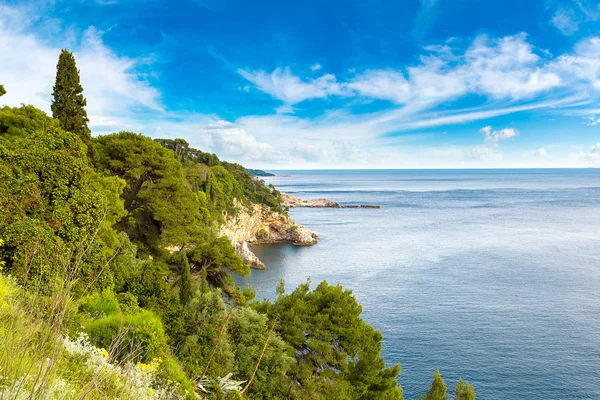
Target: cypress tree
[(185, 288), (68, 102)]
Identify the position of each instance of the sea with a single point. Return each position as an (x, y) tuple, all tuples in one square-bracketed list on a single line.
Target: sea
[(488, 275)]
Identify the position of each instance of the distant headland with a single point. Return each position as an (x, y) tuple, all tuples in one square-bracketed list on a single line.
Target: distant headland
[(261, 174)]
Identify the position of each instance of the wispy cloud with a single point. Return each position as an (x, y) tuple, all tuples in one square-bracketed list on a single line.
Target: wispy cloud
[(426, 16), (565, 21), (505, 68), (569, 18), (382, 84), (291, 89), (590, 156), (592, 120)]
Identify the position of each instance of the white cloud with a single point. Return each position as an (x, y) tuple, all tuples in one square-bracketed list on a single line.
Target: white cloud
[(592, 120), (505, 68), (433, 119), (590, 157), (232, 142), (591, 9), (581, 68), (565, 21), (489, 150), (569, 19), (285, 109), (283, 85), (382, 84), (311, 153), (436, 81), (315, 67), (493, 137), (540, 158)]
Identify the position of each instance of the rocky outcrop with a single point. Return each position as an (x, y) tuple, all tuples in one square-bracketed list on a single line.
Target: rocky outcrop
[(248, 257), (289, 200), (263, 225)]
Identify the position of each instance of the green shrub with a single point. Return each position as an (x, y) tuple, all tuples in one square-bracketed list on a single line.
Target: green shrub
[(170, 370), (99, 305), (128, 303), (139, 336)]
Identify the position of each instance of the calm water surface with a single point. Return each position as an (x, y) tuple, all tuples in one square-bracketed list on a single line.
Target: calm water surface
[(492, 275)]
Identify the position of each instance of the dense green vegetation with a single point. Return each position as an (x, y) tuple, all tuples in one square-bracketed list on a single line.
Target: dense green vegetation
[(115, 283), (259, 172)]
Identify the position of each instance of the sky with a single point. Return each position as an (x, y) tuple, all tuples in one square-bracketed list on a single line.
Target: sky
[(326, 84)]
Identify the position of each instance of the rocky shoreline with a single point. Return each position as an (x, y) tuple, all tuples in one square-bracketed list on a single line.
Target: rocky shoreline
[(290, 201), (262, 225)]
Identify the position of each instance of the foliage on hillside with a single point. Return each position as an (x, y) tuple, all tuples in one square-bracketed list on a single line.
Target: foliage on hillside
[(115, 283), (236, 181)]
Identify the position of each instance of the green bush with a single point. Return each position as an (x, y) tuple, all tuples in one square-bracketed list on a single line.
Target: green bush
[(170, 370), (139, 337), (99, 305)]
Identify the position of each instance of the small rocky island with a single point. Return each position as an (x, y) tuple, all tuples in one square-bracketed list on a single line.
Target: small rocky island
[(290, 201)]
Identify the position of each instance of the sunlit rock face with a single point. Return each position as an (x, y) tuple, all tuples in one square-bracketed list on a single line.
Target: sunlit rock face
[(289, 200), (263, 225)]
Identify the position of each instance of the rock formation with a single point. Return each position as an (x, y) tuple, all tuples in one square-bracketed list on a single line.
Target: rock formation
[(289, 200), (248, 256), (263, 225)]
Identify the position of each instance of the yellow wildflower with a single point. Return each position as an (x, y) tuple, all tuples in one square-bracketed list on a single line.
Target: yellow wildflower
[(104, 353)]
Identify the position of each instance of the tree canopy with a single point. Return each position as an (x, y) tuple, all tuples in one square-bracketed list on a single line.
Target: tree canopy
[(337, 354)]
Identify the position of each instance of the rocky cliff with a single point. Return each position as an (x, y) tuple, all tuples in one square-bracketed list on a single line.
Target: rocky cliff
[(263, 225)]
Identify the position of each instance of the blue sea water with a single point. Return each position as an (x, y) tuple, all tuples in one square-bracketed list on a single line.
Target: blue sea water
[(488, 275)]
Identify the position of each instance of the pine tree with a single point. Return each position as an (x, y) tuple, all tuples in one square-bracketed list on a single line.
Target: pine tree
[(68, 102), (185, 288), (280, 289), (437, 390), (464, 391)]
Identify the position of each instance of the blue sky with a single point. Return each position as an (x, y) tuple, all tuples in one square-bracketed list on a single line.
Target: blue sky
[(327, 84)]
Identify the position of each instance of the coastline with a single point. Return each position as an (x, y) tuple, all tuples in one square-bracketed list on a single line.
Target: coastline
[(265, 226), (290, 201)]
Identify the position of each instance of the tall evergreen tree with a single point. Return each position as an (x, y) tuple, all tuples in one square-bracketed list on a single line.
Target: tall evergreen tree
[(464, 391), (185, 287), (437, 390), (68, 102), (2, 90)]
